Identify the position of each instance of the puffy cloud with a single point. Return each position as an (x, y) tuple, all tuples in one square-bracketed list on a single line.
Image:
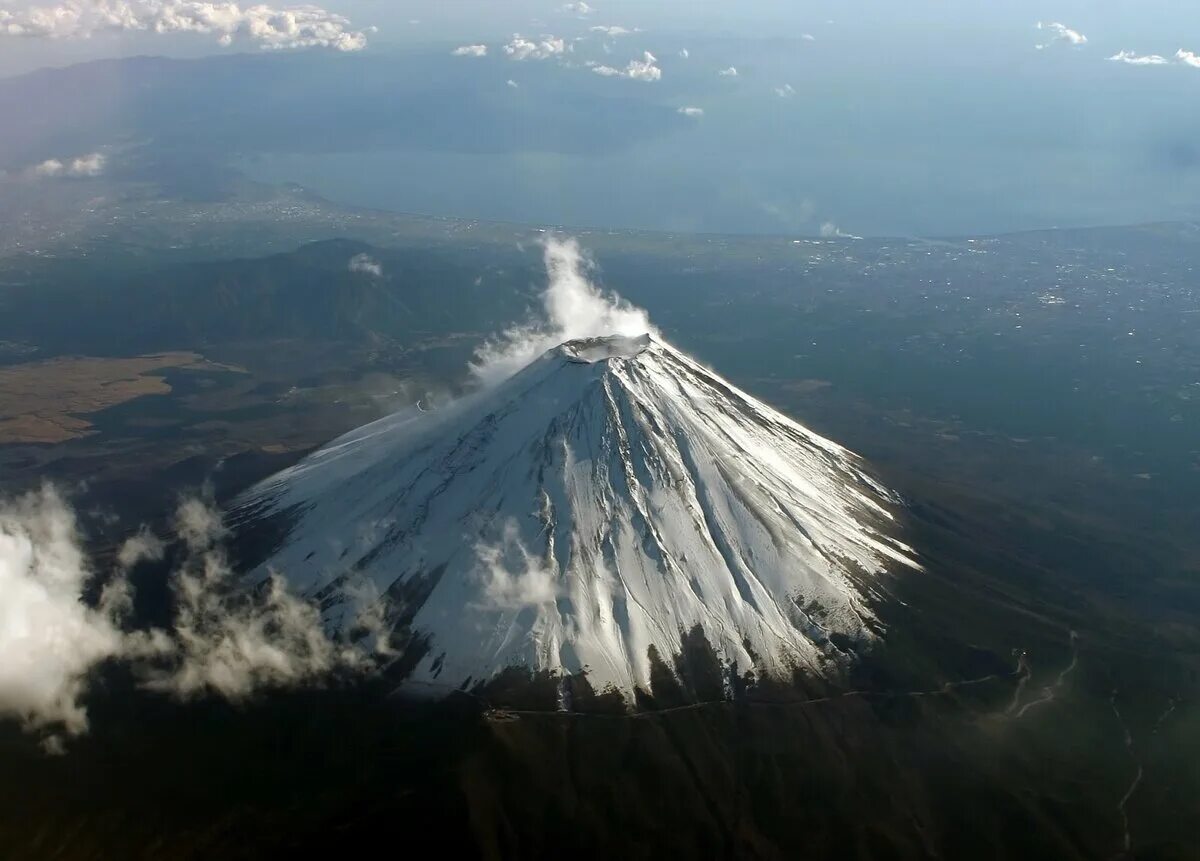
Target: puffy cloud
[(231, 642), (198, 524), (786, 91), (1132, 59), (1188, 58), (145, 545), (271, 27), (50, 167), (224, 639), (470, 51), (684, 53), (1060, 33), (731, 72), (544, 48), (512, 84), (691, 112), (49, 638), (367, 265), (85, 165), (645, 69), (573, 307), (611, 31), (578, 8)]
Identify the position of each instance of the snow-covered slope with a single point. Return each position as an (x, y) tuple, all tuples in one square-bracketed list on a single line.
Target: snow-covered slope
[(605, 498)]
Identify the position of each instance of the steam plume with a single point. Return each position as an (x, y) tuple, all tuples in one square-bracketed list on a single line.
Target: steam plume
[(574, 307)]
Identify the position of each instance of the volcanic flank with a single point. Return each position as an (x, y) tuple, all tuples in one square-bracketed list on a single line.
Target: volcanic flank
[(603, 500)]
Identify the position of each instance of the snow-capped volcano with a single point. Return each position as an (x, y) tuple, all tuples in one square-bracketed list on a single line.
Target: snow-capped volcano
[(609, 496)]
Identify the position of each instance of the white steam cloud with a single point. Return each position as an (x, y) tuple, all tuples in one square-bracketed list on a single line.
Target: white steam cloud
[(224, 640), (574, 308), (367, 265), (270, 27)]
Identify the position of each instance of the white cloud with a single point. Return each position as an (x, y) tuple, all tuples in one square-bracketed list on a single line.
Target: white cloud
[(1182, 57), (1061, 33), (521, 48), (1188, 58), (232, 643), (786, 91), (470, 51), (684, 53), (578, 8), (808, 37), (50, 167), (87, 165), (198, 524), (145, 545), (49, 638), (91, 164), (611, 31), (691, 112), (270, 27), (645, 69), (367, 265), (731, 72), (224, 639), (513, 84), (1132, 59), (573, 308)]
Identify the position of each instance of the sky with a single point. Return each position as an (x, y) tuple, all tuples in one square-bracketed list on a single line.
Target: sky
[(868, 117)]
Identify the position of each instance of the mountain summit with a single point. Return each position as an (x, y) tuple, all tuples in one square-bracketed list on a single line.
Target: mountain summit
[(605, 499)]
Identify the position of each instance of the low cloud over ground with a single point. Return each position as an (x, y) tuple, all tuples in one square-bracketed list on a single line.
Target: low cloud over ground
[(224, 640)]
